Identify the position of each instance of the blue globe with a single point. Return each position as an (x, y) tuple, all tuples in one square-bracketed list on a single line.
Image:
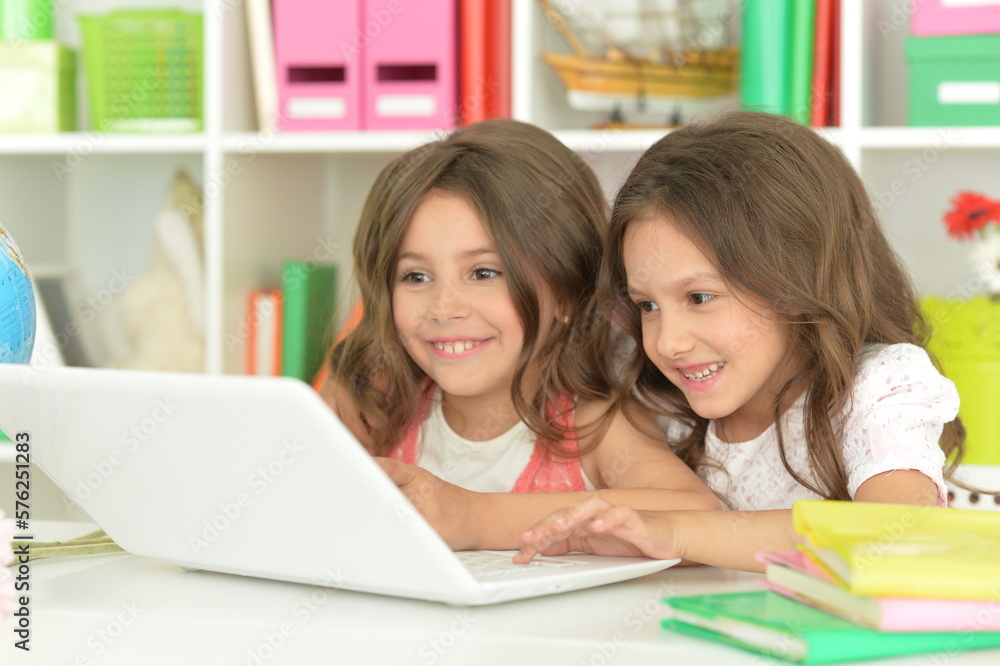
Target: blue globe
[(17, 304)]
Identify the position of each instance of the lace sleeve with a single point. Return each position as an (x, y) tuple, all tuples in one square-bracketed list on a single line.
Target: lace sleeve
[(901, 403)]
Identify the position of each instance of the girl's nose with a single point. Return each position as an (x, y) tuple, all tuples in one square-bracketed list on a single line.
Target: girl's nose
[(673, 339), (448, 301)]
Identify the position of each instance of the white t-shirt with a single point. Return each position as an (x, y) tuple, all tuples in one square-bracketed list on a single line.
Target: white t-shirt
[(901, 403), (491, 466)]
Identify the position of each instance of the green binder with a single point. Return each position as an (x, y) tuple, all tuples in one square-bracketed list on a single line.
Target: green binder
[(768, 623), (800, 60), (309, 293), (766, 54)]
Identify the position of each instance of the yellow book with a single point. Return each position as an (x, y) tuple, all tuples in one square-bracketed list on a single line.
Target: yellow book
[(893, 550)]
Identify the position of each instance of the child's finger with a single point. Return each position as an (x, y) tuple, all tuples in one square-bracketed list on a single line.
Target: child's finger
[(526, 554), (558, 528), (542, 536), (613, 518), (533, 542), (588, 509), (628, 526)]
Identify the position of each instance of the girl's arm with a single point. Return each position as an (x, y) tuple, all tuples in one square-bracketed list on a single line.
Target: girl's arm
[(728, 539), (626, 458), (900, 486), (628, 467)]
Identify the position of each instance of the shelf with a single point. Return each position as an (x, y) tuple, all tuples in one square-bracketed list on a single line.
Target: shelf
[(85, 143), (610, 140), (327, 142), (597, 141), (929, 137)]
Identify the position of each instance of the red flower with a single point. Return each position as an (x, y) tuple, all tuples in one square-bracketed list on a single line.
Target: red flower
[(970, 213)]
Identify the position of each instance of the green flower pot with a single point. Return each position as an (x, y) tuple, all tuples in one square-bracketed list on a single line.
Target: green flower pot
[(966, 340)]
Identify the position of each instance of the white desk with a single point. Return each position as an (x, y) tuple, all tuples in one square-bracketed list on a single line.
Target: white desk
[(122, 609)]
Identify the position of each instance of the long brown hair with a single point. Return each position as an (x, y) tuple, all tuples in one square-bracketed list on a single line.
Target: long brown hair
[(787, 220), (545, 210)]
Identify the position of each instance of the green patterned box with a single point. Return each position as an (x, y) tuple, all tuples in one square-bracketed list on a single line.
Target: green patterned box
[(144, 70), (966, 340), (37, 86)]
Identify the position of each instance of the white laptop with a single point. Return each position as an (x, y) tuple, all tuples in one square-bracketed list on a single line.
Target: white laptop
[(255, 476)]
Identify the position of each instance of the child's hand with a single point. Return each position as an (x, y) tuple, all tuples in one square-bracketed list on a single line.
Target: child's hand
[(450, 509), (339, 398), (597, 527)]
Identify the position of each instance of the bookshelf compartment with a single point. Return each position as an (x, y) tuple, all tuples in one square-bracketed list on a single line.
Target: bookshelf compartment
[(912, 189), (312, 217)]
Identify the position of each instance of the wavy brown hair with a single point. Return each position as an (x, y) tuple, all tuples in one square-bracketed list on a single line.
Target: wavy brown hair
[(786, 219), (545, 210)]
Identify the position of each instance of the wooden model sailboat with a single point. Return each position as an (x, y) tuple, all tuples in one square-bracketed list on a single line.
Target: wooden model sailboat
[(651, 56)]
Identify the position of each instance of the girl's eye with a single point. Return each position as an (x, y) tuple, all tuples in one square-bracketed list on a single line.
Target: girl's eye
[(414, 277), (701, 299), (647, 306), (485, 274)]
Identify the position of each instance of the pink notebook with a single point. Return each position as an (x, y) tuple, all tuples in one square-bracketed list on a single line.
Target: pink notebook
[(792, 574)]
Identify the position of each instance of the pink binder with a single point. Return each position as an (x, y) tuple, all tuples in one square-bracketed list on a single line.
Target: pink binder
[(318, 58), (955, 17), (410, 79)]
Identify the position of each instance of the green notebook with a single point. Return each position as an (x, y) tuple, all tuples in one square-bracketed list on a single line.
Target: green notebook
[(309, 295), (770, 624)]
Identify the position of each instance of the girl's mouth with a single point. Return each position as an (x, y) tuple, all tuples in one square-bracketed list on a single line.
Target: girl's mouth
[(456, 346), (703, 375)]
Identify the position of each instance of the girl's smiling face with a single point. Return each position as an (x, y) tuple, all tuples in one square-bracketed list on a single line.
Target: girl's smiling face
[(728, 353), (452, 306)]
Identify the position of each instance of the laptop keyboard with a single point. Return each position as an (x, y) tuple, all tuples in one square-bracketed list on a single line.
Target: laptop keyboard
[(489, 564)]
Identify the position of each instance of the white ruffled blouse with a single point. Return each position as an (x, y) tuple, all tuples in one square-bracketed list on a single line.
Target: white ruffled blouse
[(900, 405)]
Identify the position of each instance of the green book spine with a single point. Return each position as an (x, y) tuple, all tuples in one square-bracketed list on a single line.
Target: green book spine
[(828, 648), (769, 623), (764, 84), (800, 63), (309, 293)]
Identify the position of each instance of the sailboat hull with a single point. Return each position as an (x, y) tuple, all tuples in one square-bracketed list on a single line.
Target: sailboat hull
[(702, 75)]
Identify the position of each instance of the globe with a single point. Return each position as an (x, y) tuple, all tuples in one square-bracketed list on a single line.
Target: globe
[(17, 304)]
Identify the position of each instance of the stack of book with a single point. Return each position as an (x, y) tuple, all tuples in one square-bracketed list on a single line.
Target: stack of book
[(870, 580), (790, 62), (289, 328)]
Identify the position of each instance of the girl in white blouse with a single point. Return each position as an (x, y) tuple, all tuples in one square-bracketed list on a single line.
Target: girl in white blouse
[(782, 342)]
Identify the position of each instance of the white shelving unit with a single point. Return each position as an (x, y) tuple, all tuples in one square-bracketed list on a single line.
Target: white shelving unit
[(84, 203)]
